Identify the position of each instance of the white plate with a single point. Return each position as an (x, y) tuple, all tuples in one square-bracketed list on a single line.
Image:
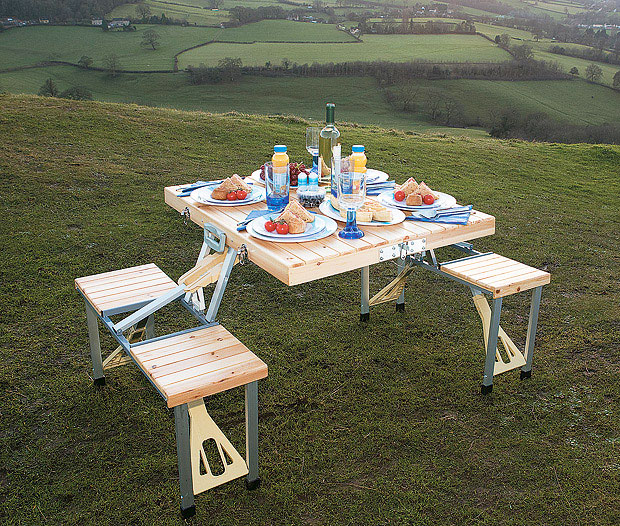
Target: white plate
[(444, 201), (327, 209), (376, 176), (311, 228), (255, 178), (203, 195), (330, 227)]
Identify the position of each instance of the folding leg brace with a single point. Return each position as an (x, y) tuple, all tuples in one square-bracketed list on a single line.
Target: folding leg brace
[(395, 290), (194, 427)]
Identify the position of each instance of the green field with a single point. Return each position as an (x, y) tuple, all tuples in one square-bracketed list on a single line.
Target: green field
[(284, 31), (395, 48), (609, 70), (30, 45), (575, 101), (358, 99), (194, 11), (378, 424)]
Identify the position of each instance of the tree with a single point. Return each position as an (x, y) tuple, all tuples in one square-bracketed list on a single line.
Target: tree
[(143, 11), (150, 38), (616, 83), (112, 64), (594, 73), (85, 62), (522, 52), (504, 40), (77, 93), (49, 89), (215, 4), (574, 71), (230, 68), (408, 96)]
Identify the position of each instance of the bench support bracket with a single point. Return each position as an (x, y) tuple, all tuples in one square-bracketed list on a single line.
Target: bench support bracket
[(203, 428)]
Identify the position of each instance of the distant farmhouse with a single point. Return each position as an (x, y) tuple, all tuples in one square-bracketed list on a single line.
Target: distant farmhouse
[(96, 22), (117, 23)]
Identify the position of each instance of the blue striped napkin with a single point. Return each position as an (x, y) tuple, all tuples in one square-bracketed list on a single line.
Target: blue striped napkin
[(458, 216)]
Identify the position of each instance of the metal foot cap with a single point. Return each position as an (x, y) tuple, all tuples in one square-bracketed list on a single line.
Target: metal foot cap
[(99, 382), (365, 316), (186, 513), (400, 307), (526, 374), (252, 485), (486, 389)]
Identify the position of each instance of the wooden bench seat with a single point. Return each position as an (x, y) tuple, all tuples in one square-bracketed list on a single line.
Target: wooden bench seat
[(123, 290), (198, 364), (497, 274)]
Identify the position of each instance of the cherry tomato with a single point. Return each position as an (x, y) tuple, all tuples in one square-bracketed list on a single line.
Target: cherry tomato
[(428, 199), (232, 196), (399, 195), (270, 226), (241, 194), (282, 228)]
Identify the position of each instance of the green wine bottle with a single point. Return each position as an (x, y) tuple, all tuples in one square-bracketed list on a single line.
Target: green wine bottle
[(328, 138)]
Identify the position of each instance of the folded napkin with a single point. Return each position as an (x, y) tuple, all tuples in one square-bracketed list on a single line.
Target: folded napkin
[(457, 216), (253, 215), (377, 188)]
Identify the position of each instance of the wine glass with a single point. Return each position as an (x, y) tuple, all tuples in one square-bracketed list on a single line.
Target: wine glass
[(312, 145), (351, 196)]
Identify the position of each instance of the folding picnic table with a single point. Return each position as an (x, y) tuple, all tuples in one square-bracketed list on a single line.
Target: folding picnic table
[(411, 244)]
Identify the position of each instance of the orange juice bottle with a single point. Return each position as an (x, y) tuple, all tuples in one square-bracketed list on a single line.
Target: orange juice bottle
[(278, 193)]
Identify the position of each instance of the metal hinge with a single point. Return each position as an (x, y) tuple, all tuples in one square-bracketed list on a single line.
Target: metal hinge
[(402, 250), (185, 215)]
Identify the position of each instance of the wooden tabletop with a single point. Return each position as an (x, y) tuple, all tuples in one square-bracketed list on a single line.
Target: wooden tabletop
[(294, 263)]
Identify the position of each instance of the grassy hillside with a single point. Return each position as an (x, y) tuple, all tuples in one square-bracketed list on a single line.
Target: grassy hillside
[(358, 99), (395, 48), (360, 424), (589, 103)]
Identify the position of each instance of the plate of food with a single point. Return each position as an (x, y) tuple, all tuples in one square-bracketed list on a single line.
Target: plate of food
[(293, 224), (413, 196), (372, 213), (232, 191), (294, 169)]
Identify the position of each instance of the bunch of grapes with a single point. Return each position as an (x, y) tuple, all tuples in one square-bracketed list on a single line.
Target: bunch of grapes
[(294, 170)]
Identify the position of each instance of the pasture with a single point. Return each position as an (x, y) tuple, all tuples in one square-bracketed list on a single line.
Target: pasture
[(395, 48), (609, 70), (573, 101), (26, 46)]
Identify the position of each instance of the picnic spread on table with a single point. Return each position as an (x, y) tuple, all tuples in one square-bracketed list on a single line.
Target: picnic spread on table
[(298, 224)]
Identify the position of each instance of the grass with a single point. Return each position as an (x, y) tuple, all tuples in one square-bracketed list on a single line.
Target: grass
[(360, 424), (395, 48), (577, 101), (284, 31), (31, 45), (609, 70), (358, 99)]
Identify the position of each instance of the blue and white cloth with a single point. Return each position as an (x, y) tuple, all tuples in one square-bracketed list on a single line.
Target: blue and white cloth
[(458, 215)]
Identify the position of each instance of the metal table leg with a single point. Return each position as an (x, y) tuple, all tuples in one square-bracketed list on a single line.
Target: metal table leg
[(181, 422), (95, 346), (365, 308), (489, 364), (252, 480), (400, 302), (526, 370)]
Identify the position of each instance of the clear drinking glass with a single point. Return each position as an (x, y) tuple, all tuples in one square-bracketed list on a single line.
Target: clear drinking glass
[(351, 196), (312, 145), (277, 184)]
